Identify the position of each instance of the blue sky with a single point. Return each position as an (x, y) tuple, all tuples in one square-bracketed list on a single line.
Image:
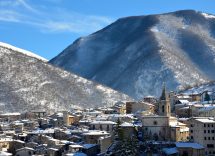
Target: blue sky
[(46, 27)]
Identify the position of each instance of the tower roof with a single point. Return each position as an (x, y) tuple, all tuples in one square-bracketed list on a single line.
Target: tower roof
[(163, 95)]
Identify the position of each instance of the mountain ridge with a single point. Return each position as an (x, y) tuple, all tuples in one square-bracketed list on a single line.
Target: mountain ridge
[(135, 55), (28, 83)]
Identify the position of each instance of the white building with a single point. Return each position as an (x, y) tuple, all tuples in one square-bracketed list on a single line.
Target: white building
[(202, 131)]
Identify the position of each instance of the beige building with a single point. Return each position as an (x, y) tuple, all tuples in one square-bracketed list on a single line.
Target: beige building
[(104, 143), (202, 131), (92, 136), (133, 107), (120, 107), (195, 109), (102, 125), (128, 129), (190, 149), (5, 143), (196, 97), (184, 112), (163, 126), (208, 111), (70, 119), (150, 99), (39, 113), (10, 116), (25, 151), (75, 148), (53, 152)]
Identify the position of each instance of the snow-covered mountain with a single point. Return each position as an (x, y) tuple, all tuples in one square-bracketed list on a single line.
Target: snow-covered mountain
[(28, 82), (136, 55)]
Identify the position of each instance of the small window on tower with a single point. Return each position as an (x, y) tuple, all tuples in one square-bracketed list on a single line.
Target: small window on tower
[(155, 122), (163, 109)]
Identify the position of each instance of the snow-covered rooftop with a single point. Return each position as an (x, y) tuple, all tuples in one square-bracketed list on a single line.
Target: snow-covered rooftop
[(103, 122), (11, 114), (189, 145), (96, 132), (76, 146), (170, 151), (205, 120), (184, 129), (46, 131), (184, 101), (207, 108), (76, 154), (88, 145), (127, 124), (2, 153)]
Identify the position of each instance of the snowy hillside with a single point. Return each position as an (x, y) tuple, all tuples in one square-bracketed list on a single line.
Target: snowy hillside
[(28, 82), (210, 87), (135, 55)]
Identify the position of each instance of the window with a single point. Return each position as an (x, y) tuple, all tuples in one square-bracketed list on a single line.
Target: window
[(205, 138), (204, 131), (185, 153), (212, 131), (155, 123), (163, 109), (209, 138), (210, 145), (108, 128), (208, 125), (191, 131), (208, 131), (191, 137), (212, 138), (204, 125), (191, 125)]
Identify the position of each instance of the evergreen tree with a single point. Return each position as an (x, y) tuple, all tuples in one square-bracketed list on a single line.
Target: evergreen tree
[(124, 146), (207, 97)]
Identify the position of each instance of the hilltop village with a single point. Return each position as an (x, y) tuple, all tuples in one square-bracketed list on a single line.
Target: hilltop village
[(171, 125)]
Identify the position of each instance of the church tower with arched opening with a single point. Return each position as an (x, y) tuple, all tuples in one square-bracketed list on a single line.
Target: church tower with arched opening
[(164, 108)]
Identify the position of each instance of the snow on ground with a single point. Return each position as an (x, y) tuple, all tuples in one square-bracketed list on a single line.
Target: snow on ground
[(206, 87), (208, 16), (31, 54)]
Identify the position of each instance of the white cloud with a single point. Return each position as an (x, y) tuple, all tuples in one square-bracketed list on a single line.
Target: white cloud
[(10, 16), (50, 20), (27, 6)]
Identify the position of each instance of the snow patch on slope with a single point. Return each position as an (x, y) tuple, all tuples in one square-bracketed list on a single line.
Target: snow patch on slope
[(208, 16), (166, 32)]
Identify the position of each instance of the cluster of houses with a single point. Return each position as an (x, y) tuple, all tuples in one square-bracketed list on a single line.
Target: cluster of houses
[(173, 125)]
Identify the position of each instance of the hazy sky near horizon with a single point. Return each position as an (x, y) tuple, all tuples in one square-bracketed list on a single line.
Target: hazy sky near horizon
[(46, 27)]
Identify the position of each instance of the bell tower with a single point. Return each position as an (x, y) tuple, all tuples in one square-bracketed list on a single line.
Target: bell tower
[(164, 103)]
